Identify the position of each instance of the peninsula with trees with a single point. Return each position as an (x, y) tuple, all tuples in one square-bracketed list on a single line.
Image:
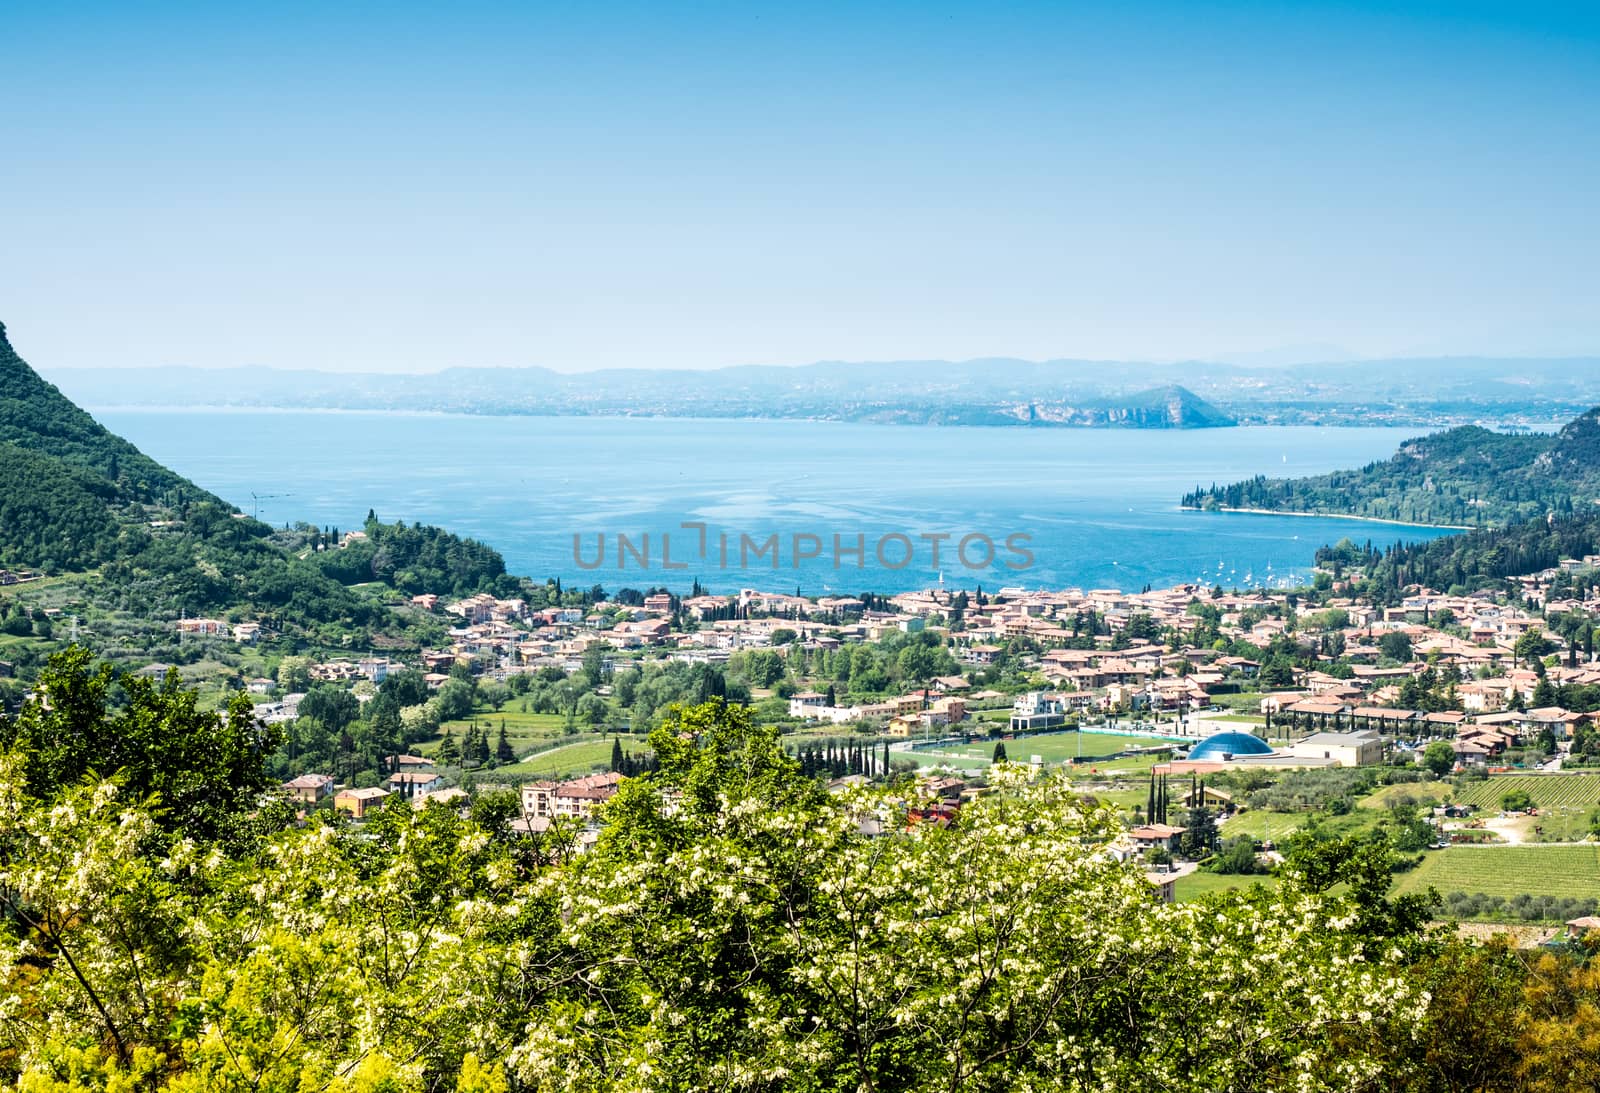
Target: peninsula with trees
[(1463, 477)]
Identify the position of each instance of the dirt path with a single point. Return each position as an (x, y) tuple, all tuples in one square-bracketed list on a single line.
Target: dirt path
[(1513, 829)]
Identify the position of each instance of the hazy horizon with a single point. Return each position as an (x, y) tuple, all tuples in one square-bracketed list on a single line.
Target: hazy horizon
[(616, 186), (45, 368)]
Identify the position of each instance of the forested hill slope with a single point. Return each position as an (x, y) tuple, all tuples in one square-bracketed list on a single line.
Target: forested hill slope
[(1466, 477), (72, 494), (36, 416), (54, 515), (75, 497), (1461, 564)]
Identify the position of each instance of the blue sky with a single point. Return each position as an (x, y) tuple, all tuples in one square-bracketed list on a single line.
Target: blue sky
[(409, 187)]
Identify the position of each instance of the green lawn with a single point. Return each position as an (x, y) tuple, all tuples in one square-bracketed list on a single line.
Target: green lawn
[(1244, 703), (1200, 883), (1560, 871), (1062, 747), (1277, 826), (1121, 796), (1139, 765), (1560, 825)]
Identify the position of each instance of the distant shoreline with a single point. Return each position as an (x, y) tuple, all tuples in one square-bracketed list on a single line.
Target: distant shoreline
[(538, 413), (1428, 426), (1338, 516)]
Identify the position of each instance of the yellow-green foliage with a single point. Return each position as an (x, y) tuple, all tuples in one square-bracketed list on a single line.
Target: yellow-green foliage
[(732, 929)]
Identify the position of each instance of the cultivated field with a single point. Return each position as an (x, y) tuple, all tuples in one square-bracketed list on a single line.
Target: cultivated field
[(1264, 825), (1549, 791), (1559, 871), (568, 759)]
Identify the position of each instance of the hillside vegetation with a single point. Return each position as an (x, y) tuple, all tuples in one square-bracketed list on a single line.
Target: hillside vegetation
[(732, 928), (416, 558), (53, 515), (76, 497), (34, 415), (1465, 563), (1465, 477)]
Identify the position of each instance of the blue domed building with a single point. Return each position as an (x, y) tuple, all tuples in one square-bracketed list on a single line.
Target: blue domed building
[(1228, 745)]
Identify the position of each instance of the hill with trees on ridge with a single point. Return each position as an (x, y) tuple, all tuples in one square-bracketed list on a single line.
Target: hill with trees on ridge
[(36, 416), (1463, 477), (76, 497), (1171, 407)]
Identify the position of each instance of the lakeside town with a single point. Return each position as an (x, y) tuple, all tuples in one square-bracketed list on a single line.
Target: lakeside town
[(963, 548), (1466, 718)]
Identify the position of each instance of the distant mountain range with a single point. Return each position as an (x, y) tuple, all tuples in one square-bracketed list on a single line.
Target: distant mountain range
[(997, 391), (1463, 477)]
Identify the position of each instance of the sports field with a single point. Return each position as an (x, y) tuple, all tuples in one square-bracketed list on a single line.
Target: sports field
[(1052, 748)]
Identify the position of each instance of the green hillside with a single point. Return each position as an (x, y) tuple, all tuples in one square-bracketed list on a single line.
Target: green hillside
[(1482, 558), (1466, 477), (76, 497), (36, 416), (53, 515)]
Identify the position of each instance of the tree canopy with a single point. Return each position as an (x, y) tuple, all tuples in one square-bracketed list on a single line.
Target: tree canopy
[(735, 927)]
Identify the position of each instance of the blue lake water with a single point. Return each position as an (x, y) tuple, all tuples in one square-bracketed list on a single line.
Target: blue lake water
[(1098, 508)]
